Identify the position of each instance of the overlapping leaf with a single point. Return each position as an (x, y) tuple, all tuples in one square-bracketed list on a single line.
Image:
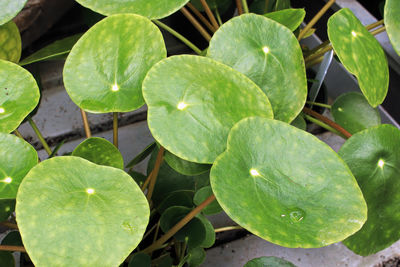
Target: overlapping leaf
[(9, 9), (291, 18), (392, 23), (10, 42)]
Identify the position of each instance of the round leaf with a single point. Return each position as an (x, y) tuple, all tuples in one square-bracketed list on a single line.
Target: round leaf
[(352, 111), (286, 186), (269, 262), (373, 156), (9, 9), (196, 257), (291, 18), (17, 157), (98, 213), (209, 239), (153, 9), (19, 95), (10, 42), (392, 23), (201, 195), (194, 101), (183, 198), (361, 54), (184, 166), (99, 151), (105, 69), (270, 55)]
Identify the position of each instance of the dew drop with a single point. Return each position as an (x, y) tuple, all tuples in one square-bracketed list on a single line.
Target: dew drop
[(266, 49), (297, 215), (254, 172)]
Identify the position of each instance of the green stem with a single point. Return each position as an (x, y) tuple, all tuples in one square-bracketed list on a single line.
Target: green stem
[(17, 133), (179, 36), (319, 104), (228, 228), (323, 125), (245, 6), (39, 135), (218, 16), (115, 129)]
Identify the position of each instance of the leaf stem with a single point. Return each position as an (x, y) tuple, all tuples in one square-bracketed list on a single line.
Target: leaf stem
[(245, 6), (12, 248), (228, 228), (323, 125), (178, 36), (374, 25), (9, 225), (86, 124), (201, 17), (17, 133), (239, 7), (218, 17), (146, 183), (196, 24), (327, 121), (210, 14), (39, 135), (315, 19), (156, 245), (115, 129), (319, 104), (379, 30), (154, 173)]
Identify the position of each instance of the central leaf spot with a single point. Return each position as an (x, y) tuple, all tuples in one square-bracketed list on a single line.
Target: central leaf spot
[(182, 105), (353, 33), (381, 163), (254, 172), (115, 87), (7, 180), (90, 191), (2, 110), (266, 49)]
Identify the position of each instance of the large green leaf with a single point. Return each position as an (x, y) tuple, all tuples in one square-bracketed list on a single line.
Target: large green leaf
[(153, 9), (286, 186), (392, 23), (361, 54), (100, 151), (72, 212), (291, 18), (373, 156), (352, 111), (52, 51), (10, 42), (270, 55), (17, 157), (269, 262), (9, 9), (194, 101), (105, 69), (19, 95)]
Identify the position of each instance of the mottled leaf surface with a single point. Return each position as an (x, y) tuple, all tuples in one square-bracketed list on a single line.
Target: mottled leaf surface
[(392, 23), (19, 95), (373, 156), (10, 42), (361, 54), (270, 55), (153, 9), (286, 186), (194, 101), (291, 18), (9, 9), (269, 262), (93, 215), (105, 69), (17, 157)]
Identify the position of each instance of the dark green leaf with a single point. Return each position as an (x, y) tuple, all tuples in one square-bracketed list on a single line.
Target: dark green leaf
[(299, 122), (201, 195), (291, 18), (392, 23), (269, 262), (12, 239), (140, 260), (196, 257), (10, 42), (142, 155), (183, 198), (209, 239), (6, 259), (184, 166), (7, 206)]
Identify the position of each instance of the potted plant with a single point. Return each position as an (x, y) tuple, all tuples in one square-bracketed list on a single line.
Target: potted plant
[(222, 121)]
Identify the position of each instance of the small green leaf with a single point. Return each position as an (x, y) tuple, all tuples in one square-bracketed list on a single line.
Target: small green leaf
[(6, 259), (140, 260), (10, 42), (299, 122), (7, 207), (249, 44), (100, 151), (185, 167), (361, 54), (98, 213), (17, 157), (201, 195), (196, 257), (291, 18), (105, 69), (286, 186), (139, 178), (373, 156), (9, 9), (19, 95), (193, 102), (353, 112), (52, 51), (392, 23), (142, 155), (153, 9), (209, 239), (281, 4), (183, 198), (262, 6), (269, 262)]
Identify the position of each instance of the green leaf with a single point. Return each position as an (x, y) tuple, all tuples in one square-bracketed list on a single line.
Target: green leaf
[(100, 151), (291, 18), (209, 239), (361, 54), (6, 259), (373, 156), (194, 231), (140, 260), (281, 4), (9, 9), (201, 195), (105, 69), (262, 6), (139, 178), (196, 257), (250, 44), (19, 95), (12, 239), (98, 213), (10, 42), (352, 111), (184, 166), (183, 198), (299, 122), (52, 51), (194, 101), (286, 186), (392, 23), (142, 155), (153, 9), (222, 5), (17, 157), (269, 262), (7, 207)]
